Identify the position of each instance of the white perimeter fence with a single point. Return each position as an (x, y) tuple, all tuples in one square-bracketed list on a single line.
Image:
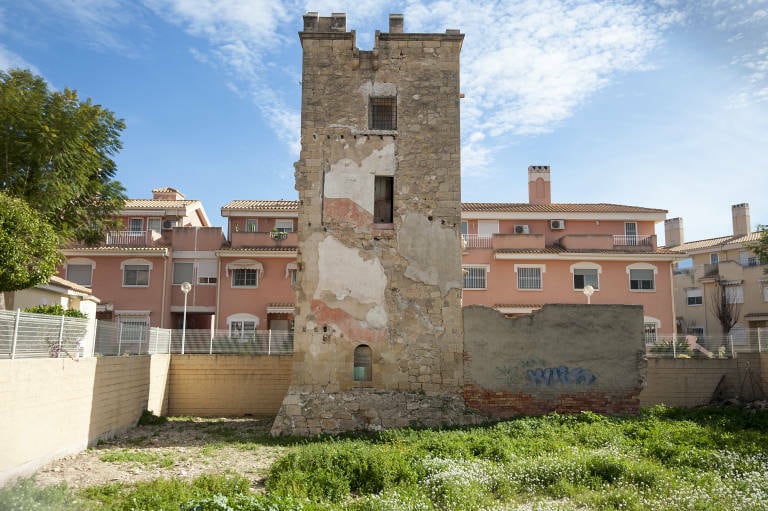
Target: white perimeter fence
[(28, 335), (753, 340)]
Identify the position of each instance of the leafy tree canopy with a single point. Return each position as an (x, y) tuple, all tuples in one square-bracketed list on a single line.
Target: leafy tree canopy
[(761, 246), (56, 153), (55, 310), (29, 247)]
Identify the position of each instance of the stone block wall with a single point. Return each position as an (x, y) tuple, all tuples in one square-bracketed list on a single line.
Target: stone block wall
[(563, 358), (387, 284)]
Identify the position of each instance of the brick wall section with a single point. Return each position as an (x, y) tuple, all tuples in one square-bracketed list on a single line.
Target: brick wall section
[(563, 358), (692, 382), (54, 407), (220, 385)]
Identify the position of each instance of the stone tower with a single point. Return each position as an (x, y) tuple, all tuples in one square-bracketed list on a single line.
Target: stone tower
[(378, 331)]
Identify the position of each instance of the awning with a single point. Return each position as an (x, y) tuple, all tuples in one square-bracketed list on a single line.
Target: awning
[(245, 264), (280, 308)]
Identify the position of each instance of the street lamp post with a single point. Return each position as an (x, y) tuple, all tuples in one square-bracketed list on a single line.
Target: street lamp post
[(185, 288), (588, 290)]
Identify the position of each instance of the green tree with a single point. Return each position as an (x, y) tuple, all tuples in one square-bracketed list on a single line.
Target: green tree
[(29, 247), (56, 153), (760, 247)]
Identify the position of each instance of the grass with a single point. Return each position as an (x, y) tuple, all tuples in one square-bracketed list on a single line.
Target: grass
[(142, 457), (705, 459)]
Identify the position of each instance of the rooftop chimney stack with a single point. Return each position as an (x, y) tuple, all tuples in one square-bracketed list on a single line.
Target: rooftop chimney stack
[(395, 23), (539, 187), (673, 232), (740, 216)]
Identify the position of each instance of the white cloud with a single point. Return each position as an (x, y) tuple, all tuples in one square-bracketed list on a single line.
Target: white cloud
[(528, 65), (243, 36), (9, 59)]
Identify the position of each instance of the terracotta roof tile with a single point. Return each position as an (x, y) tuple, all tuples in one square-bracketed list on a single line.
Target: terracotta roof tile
[(517, 306), (157, 203), (263, 205), (715, 242), (559, 250), (524, 207)]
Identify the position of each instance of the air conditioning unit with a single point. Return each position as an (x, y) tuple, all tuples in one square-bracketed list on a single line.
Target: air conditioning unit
[(522, 229), (169, 224), (557, 225)]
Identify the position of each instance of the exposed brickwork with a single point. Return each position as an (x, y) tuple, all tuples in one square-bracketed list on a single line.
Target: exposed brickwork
[(503, 404)]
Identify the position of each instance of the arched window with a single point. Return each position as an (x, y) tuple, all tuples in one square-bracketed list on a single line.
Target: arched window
[(363, 357)]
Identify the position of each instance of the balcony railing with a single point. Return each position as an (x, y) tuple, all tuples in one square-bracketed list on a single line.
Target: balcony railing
[(132, 238), (633, 240), (753, 261), (476, 240)]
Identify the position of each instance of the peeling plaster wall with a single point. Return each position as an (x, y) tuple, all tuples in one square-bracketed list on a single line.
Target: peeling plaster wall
[(395, 288)]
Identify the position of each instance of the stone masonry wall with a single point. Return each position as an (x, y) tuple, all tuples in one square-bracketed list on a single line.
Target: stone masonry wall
[(563, 358), (393, 287)]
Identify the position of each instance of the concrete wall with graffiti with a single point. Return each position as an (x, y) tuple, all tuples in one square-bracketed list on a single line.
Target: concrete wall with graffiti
[(564, 358)]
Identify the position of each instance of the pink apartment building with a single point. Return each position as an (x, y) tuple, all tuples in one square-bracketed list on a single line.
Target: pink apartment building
[(238, 285), (519, 256), (516, 258)]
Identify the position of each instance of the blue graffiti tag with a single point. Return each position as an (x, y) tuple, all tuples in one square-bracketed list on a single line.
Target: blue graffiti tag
[(561, 375)]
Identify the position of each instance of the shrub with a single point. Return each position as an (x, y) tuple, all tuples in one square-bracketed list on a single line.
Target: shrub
[(150, 419), (55, 310)]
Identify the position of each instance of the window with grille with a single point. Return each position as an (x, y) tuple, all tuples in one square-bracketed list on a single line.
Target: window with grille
[(252, 225), (245, 277), (136, 275), (734, 294), (641, 280), (382, 199), (80, 274), (382, 113), (650, 332), (242, 329), (584, 277), (136, 224), (293, 276), (528, 277), (363, 362), (475, 277), (695, 330)]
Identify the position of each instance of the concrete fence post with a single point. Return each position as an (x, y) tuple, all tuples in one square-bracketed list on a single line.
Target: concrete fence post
[(674, 346), (15, 333), (210, 348), (269, 342), (61, 334), (733, 350), (759, 341)]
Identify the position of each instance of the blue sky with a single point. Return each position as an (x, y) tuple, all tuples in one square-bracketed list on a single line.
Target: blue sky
[(658, 104)]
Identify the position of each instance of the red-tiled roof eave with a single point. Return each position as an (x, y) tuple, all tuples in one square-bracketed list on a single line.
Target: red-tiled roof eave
[(517, 207)]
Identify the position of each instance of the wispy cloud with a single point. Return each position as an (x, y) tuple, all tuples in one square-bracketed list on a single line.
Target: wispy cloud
[(528, 65), (243, 39)]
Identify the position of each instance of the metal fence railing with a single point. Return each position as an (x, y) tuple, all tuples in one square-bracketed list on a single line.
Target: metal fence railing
[(710, 346), (28, 335), (113, 339), (258, 342)]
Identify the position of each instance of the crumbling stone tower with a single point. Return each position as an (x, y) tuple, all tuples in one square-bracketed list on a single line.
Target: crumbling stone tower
[(378, 332)]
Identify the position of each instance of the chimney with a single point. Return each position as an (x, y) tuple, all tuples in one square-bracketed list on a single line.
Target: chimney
[(338, 22), (395, 23), (740, 216), (539, 188), (167, 193), (673, 232)]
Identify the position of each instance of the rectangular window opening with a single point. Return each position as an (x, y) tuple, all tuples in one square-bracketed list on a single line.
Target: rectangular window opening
[(183, 272), (244, 277), (584, 277), (475, 277), (641, 280), (80, 274), (382, 199), (382, 113), (529, 278), (136, 275)]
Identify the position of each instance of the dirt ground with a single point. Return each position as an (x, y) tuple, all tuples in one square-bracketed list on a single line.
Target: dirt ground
[(182, 447)]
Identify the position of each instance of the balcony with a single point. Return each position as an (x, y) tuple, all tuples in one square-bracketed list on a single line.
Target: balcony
[(476, 241), (133, 238), (264, 239), (518, 241), (641, 241)]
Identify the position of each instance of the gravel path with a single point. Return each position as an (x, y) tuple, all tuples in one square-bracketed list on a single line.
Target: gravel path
[(182, 447)]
